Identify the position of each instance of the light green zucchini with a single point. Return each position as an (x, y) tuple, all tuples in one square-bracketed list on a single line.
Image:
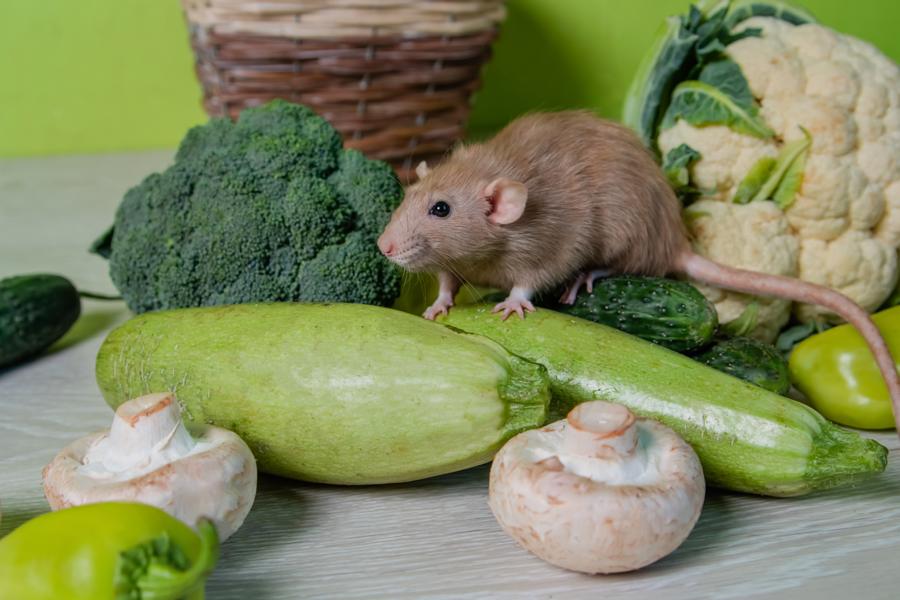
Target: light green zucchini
[(747, 438), (346, 394)]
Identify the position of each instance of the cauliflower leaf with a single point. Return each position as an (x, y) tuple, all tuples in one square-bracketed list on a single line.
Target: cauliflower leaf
[(792, 178), (785, 174), (720, 97), (756, 178), (676, 165)]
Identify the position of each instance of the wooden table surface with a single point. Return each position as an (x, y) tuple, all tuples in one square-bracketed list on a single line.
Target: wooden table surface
[(430, 539)]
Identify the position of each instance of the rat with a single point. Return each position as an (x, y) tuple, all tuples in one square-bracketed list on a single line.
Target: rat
[(569, 197)]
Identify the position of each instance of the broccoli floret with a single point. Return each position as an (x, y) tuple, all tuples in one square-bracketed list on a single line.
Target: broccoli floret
[(266, 209)]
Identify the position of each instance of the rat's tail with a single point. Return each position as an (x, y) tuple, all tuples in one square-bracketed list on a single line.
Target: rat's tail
[(762, 284)]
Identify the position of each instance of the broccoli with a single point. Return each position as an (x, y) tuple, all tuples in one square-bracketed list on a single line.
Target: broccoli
[(267, 209)]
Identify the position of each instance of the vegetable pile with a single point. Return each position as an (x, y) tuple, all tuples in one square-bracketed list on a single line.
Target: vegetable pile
[(252, 259), (266, 209), (783, 138)]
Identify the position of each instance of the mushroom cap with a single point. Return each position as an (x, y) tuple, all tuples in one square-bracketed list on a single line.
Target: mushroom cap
[(599, 492), (215, 478)]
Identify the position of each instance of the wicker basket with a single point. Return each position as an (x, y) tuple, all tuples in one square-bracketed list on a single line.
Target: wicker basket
[(393, 76)]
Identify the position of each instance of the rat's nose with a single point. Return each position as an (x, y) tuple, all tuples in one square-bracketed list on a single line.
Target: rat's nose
[(386, 245)]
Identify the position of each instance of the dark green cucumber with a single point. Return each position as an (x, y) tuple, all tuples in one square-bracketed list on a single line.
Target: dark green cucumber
[(747, 438), (35, 311), (751, 360), (667, 312)]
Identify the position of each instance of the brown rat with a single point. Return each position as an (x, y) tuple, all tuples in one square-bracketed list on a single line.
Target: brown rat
[(566, 197)]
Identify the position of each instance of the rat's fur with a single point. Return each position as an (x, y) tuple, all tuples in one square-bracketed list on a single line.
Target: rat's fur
[(578, 169)]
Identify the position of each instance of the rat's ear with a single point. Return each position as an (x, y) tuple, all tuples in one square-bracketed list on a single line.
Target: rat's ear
[(507, 199), (422, 170)]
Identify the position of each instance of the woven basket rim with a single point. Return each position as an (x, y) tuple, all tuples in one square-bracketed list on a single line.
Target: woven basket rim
[(361, 19)]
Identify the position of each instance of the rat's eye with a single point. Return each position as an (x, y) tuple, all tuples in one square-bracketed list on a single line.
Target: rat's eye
[(439, 209)]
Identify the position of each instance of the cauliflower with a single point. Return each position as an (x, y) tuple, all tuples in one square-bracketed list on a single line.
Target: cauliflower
[(747, 236), (839, 226)]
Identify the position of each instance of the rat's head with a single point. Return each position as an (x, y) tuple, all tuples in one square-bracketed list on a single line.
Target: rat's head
[(452, 214)]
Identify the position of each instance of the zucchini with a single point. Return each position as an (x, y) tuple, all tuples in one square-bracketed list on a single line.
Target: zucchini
[(667, 312), (751, 360), (340, 393), (35, 311), (747, 438)]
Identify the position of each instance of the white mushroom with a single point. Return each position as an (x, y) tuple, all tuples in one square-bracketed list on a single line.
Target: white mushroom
[(598, 492), (149, 456)]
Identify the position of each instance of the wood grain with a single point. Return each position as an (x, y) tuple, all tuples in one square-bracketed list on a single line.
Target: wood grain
[(429, 539)]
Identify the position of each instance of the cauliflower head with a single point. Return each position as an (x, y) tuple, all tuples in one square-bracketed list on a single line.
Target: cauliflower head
[(753, 236), (840, 223)]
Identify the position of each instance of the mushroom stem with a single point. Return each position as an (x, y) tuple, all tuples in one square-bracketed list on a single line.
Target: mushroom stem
[(145, 432), (600, 430)]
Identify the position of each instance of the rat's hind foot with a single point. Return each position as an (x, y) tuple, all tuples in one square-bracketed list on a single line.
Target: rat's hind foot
[(568, 296), (441, 306), (585, 279), (517, 302)]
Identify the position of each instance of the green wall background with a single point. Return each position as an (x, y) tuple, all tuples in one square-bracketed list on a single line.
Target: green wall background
[(106, 75)]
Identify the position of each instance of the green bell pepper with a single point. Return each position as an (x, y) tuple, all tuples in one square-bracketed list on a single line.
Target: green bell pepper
[(836, 372), (107, 551)]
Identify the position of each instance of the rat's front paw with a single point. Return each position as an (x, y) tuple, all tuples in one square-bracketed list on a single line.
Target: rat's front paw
[(514, 305), (441, 306)]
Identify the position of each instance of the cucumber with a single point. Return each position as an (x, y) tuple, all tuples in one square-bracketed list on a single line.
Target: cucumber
[(342, 393), (751, 360), (35, 311), (667, 312), (747, 438)]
